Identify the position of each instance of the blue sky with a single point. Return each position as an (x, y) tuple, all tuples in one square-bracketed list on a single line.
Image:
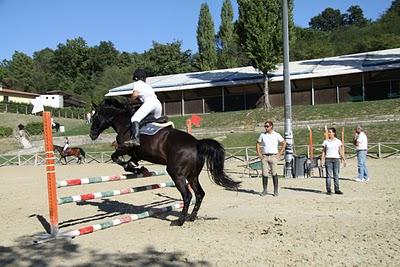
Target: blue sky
[(131, 25)]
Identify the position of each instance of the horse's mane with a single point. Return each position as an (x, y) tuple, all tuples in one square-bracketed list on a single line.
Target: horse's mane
[(116, 106)]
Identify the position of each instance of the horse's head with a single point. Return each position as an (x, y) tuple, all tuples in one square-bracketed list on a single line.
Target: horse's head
[(104, 116)]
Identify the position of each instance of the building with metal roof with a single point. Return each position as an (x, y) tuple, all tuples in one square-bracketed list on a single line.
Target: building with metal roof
[(356, 77), (9, 95)]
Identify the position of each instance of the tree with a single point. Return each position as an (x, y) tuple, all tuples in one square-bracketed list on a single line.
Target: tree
[(21, 68), (71, 59), (206, 40), (328, 20), (43, 75), (311, 44), (4, 72), (112, 76), (354, 16), (394, 8), (260, 31), (226, 38), (164, 59), (101, 56)]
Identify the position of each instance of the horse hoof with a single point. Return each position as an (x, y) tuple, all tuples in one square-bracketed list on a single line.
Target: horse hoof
[(178, 222), (192, 218)]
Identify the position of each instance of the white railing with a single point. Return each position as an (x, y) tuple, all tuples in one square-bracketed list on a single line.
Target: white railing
[(242, 154)]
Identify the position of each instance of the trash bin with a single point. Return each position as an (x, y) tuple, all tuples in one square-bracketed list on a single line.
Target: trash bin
[(298, 169), (62, 128)]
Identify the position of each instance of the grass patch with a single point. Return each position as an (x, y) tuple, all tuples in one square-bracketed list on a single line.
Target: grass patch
[(377, 132)]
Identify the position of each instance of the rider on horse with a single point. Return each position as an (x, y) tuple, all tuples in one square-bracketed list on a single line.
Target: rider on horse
[(151, 105), (66, 145)]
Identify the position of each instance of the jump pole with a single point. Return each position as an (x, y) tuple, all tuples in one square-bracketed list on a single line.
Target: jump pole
[(84, 197), (51, 173), (125, 219), (311, 147), (103, 179), (189, 126)]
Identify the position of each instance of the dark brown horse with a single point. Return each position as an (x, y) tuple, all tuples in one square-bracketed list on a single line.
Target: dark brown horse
[(183, 154), (71, 151)]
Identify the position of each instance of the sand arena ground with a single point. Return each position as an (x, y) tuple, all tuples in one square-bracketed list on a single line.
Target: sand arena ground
[(301, 227)]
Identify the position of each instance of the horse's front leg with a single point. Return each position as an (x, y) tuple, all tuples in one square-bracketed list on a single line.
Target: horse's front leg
[(119, 152)]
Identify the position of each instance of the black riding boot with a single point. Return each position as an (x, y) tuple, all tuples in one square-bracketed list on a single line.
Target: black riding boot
[(135, 139), (275, 180), (265, 185)]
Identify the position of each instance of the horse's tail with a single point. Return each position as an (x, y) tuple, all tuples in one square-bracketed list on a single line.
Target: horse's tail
[(214, 153)]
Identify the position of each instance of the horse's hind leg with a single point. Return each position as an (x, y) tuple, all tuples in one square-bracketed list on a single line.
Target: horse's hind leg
[(199, 194), (180, 184)]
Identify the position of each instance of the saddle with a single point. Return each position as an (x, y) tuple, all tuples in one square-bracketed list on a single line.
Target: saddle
[(150, 125)]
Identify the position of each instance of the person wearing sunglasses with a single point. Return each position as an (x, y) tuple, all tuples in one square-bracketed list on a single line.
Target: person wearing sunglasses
[(269, 155)]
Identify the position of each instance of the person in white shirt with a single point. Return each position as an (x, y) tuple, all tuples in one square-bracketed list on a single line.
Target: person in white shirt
[(270, 155), (361, 143), (332, 154), (150, 104), (66, 145)]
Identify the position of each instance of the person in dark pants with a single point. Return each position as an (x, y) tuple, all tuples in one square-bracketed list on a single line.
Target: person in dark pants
[(332, 155), (269, 155)]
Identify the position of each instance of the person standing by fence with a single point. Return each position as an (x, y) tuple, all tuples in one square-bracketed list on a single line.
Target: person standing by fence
[(269, 140), (332, 154), (361, 142)]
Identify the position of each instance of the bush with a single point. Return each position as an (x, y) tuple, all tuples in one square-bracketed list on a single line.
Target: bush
[(34, 128), (5, 131)]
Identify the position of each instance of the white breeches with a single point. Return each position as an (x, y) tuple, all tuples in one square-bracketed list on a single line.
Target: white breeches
[(149, 106), (65, 147)]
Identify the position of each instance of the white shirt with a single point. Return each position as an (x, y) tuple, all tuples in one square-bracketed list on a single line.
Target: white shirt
[(270, 141), (332, 148), (362, 141), (146, 92)]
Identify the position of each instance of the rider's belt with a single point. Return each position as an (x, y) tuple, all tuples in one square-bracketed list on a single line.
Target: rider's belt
[(269, 154)]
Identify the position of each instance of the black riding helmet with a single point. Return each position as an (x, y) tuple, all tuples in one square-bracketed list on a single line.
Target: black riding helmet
[(139, 74)]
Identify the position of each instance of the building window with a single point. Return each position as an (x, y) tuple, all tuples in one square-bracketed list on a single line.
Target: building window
[(6, 98)]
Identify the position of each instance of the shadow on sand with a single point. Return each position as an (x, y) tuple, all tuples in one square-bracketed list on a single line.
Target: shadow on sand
[(61, 251)]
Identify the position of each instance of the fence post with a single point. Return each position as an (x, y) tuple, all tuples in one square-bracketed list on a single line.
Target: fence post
[(379, 150), (6, 108)]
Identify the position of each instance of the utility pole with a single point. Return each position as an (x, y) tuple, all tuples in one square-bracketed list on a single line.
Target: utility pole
[(288, 93)]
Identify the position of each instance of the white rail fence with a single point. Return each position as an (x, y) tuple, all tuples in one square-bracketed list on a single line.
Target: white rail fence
[(242, 154)]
